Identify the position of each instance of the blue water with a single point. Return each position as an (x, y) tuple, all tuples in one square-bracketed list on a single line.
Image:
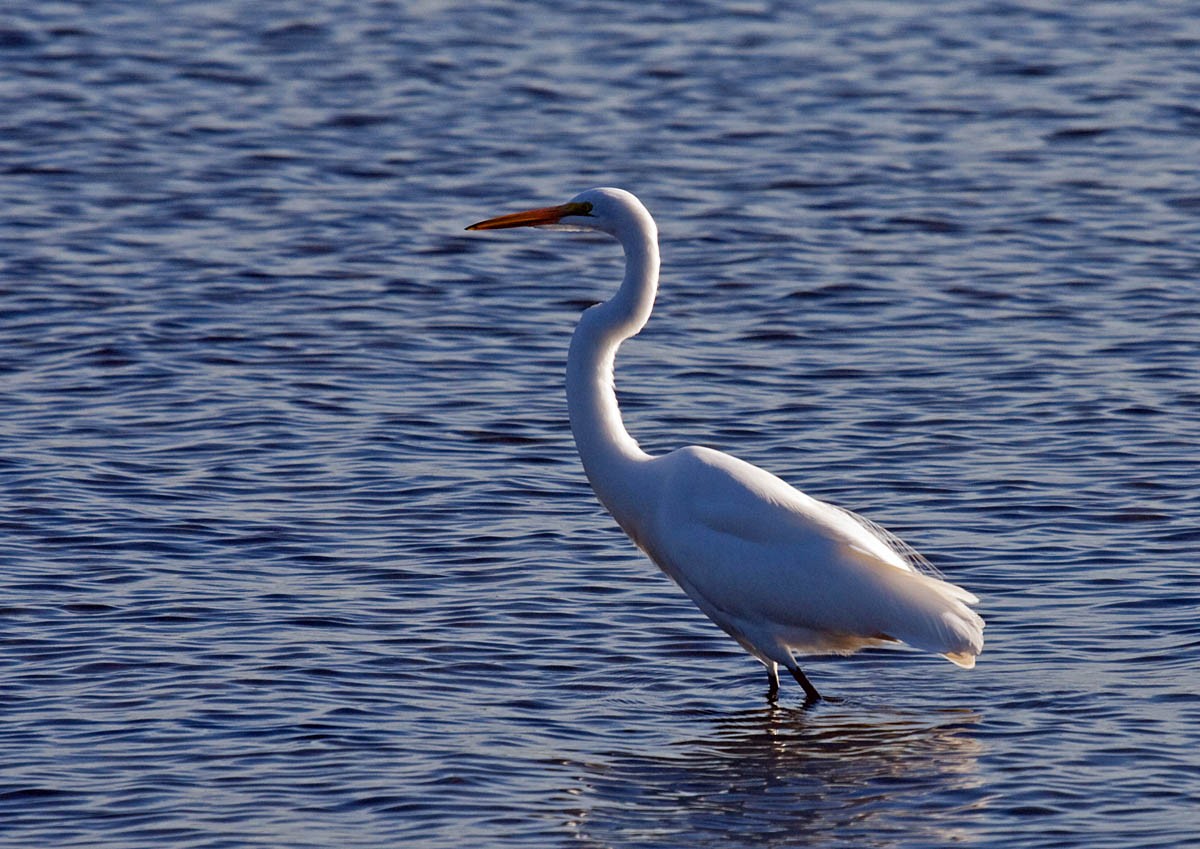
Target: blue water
[(296, 550)]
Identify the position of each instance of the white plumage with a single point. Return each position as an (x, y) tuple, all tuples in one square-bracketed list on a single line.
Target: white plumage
[(780, 572)]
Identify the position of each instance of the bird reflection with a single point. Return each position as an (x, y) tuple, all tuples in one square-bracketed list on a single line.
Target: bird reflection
[(776, 775)]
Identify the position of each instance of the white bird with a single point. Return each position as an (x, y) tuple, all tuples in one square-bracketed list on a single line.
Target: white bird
[(780, 572)]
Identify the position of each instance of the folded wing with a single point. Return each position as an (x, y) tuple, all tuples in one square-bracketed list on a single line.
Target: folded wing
[(770, 564)]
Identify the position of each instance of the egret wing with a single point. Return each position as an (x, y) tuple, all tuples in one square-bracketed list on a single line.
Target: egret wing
[(752, 549)]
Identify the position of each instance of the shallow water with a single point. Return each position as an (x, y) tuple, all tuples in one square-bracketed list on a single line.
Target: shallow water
[(296, 548)]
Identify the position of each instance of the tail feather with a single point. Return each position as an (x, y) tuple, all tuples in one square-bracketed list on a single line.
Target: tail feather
[(929, 614), (940, 621), (961, 658)]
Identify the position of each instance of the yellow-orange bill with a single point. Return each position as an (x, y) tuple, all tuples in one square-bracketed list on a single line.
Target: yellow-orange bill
[(533, 217)]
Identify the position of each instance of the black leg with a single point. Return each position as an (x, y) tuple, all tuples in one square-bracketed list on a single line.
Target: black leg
[(810, 692), (772, 682)]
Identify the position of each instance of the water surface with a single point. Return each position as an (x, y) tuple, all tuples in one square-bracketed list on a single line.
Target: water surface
[(296, 548)]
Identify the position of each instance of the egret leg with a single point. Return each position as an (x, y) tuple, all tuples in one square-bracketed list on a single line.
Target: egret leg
[(810, 692), (772, 681)]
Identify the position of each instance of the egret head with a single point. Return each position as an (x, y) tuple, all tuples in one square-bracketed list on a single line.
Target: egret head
[(606, 210)]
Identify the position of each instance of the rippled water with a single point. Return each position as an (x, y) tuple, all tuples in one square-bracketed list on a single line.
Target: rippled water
[(296, 549)]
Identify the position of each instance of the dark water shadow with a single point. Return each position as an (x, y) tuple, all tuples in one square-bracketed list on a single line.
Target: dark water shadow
[(840, 774)]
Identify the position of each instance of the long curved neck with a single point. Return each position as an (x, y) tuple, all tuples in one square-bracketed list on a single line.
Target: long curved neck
[(610, 455)]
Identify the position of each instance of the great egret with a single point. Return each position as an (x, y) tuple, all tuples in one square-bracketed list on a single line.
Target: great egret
[(780, 572)]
